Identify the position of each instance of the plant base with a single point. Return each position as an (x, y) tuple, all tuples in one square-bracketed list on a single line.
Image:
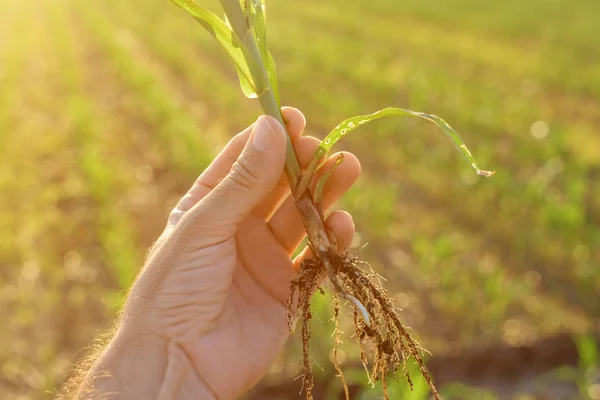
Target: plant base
[(385, 343)]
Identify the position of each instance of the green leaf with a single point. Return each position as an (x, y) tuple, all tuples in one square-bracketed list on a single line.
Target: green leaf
[(245, 64), (249, 11), (272, 74), (248, 87), (350, 124), (260, 32)]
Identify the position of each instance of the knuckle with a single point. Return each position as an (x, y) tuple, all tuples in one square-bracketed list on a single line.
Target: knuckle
[(245, 172)]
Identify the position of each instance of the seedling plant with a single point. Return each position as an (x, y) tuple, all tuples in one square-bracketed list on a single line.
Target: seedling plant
[(385, 343)]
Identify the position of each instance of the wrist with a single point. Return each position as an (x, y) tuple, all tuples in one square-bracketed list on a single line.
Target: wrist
[(143, 366)]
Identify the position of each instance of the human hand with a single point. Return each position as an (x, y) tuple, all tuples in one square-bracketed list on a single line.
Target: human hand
[(206, 316)]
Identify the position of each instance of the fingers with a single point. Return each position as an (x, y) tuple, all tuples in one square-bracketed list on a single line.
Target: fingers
[(251, 178), (294, 121), (286, 224), (340, 223), (222, 164)]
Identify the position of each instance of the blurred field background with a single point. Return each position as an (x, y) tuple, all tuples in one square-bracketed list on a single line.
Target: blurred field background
[(110, 109)]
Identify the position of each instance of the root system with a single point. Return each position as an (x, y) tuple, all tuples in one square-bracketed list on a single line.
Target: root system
[(385, 343)]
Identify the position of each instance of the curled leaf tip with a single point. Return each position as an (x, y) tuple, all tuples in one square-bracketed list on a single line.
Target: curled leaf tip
[(487, 174)]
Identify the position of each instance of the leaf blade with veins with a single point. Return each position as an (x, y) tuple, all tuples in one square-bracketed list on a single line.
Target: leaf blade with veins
[(350, 124), (245, 65), (260, 32)]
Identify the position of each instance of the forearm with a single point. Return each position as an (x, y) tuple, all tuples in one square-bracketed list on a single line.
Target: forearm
[(142, 367)]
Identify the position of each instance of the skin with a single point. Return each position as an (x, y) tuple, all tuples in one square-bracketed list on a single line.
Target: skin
[(206, 316)]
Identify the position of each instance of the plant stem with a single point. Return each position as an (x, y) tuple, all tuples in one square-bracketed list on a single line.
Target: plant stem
[(309, 213), (292, 166), (315, 228)]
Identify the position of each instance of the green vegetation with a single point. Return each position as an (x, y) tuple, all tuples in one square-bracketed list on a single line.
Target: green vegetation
[(109, 110)]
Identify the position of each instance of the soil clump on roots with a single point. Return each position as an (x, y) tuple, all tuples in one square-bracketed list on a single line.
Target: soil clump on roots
[(385, 343)]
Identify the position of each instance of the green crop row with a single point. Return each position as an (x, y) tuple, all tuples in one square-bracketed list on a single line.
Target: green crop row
[(101, 169), (176, 128)]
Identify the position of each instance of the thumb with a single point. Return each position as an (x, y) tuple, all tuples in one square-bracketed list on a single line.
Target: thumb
[(254, 174)]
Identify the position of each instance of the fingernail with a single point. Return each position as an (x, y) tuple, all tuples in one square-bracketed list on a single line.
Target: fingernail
[(263, 135)]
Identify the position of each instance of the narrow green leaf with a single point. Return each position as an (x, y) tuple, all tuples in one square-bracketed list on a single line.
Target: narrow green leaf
[(260, 32), (249, 12), (260, 25), (352, 123), (272, 74), (318, 196), (230, 42), (247, 86)]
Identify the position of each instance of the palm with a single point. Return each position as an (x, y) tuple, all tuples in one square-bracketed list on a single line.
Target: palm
[(251, 329)]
